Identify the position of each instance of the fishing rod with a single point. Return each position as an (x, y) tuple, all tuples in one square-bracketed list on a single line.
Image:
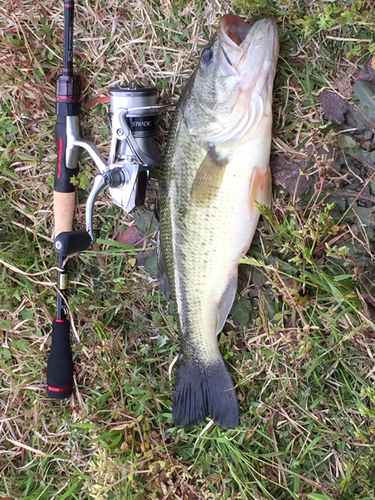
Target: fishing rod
[(68, 91), (133, 121)]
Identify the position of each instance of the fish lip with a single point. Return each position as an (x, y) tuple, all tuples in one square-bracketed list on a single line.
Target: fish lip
[(231, 68), (236, 38), (232, 32)]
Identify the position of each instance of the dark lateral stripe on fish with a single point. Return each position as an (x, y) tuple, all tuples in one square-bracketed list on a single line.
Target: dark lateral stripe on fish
[(204, 390)]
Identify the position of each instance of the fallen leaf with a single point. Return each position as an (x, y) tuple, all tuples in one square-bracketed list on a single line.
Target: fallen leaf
[(131, 236), (151, 265), (241, 310), (346, 142), (289, 175), (365, 157), (344, 85), (363, 75), (145, 221), (364, 110), (367, 74), (142, 257), (334, 106), (350, 120)]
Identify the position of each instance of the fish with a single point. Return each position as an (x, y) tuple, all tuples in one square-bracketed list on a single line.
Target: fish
[(215, 169)]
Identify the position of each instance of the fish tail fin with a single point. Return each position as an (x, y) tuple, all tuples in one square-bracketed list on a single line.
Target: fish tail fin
[(201, 390)]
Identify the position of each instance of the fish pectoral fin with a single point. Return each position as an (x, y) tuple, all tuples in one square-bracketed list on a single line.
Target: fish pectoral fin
[(260, 188), (208, 179), (226, 302)]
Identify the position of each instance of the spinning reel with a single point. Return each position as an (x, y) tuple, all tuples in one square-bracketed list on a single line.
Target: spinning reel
[(133, 120)]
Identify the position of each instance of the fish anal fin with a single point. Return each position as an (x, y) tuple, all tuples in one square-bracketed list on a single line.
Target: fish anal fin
[(260, 188), (208, 179), (226, 303), (202, 390)]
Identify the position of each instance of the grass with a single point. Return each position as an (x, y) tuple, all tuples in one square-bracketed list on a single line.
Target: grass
[(300, 341)]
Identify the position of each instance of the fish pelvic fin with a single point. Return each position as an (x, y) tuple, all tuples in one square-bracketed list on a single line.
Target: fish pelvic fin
[(201, 390)]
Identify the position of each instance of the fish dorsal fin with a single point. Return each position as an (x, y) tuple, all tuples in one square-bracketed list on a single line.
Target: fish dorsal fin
[(208, 179), (226, 302)]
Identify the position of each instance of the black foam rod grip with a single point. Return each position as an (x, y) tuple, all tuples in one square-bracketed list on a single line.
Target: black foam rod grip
[(72, 241), (60, 362)]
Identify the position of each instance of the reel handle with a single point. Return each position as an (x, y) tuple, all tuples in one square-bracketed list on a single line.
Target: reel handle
[(60, 362), (68, 242)]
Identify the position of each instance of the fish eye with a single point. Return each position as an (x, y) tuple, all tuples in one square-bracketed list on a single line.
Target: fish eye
[(207, 56)]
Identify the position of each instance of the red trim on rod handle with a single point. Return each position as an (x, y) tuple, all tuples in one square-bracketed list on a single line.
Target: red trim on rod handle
[(59, 157), (58, 389)]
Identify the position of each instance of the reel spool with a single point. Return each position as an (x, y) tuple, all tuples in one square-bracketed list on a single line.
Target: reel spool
[(133, 122)]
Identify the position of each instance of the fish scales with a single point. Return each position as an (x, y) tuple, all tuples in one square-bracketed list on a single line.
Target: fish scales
[(208, 219)]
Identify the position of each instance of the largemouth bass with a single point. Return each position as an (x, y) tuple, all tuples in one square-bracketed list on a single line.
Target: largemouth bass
[(216, 166)]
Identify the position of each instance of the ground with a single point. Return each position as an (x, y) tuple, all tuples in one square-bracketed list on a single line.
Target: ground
[(300, 339)]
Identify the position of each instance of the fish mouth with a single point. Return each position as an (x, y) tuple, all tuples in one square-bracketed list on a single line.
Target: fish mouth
[(246, 51), (246, 60)]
